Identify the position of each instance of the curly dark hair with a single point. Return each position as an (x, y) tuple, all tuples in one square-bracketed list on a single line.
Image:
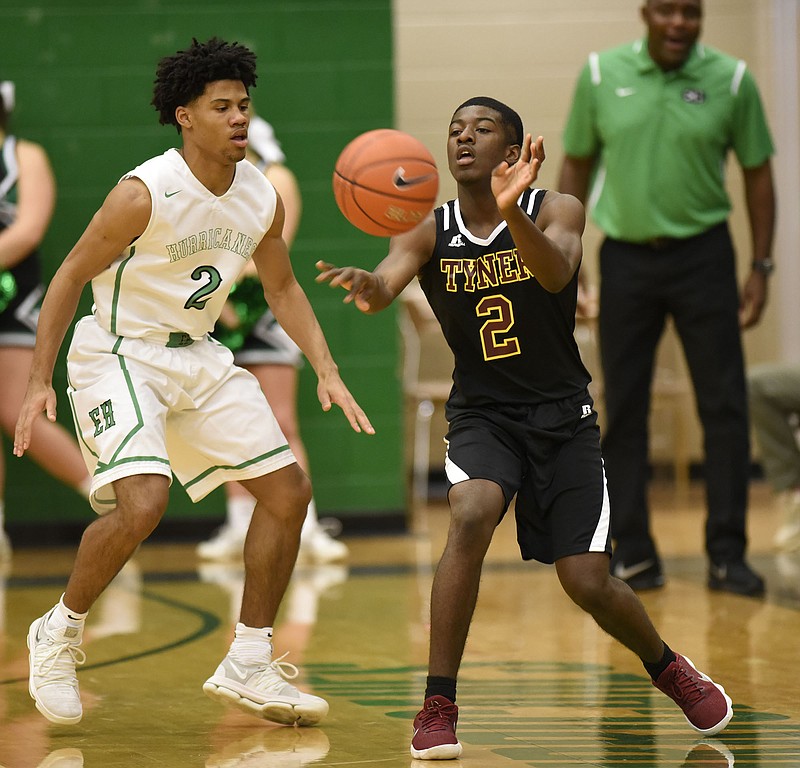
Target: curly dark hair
[(182, 78)]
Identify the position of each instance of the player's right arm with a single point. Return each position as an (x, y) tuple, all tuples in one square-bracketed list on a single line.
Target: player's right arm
[(373, 291), (119, 221)]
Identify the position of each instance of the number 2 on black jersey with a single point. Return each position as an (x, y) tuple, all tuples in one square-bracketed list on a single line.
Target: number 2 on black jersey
[(494, 332)]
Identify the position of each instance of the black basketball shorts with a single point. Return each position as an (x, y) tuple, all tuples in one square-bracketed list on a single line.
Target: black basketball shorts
[(548, 456)]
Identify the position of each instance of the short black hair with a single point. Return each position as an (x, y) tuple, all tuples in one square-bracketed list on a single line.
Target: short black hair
[(511, 120), (183, 77)]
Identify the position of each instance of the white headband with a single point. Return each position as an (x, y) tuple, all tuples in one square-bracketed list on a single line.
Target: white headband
[(7, 94)]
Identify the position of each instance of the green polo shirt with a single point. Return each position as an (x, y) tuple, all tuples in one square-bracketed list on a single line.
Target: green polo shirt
[(660, 139)]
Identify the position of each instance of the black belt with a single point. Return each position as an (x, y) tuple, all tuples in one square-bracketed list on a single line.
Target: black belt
[(664, 243)]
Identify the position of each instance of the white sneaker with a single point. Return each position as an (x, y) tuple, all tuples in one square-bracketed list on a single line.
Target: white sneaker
[(53, 684), (262, 690), (69, 757), (787, 539), (319, 547), (226, 544)]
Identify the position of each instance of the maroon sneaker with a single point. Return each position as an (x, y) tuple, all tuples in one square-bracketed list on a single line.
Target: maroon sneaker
[(705, 704), (435, 730)]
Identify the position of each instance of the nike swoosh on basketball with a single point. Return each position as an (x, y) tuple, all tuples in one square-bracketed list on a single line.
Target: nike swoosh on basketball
[(399, 179), (628, 572), (170, 194)]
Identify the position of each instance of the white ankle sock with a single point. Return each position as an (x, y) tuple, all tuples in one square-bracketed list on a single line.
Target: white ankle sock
[(252, 645), (310, 524), (62, 617), (240, 511)]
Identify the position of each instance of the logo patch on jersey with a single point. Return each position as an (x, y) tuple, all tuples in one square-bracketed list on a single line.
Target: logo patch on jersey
[(623, 92), (456, 242), (586, 410), (171, 194), (693, 96)]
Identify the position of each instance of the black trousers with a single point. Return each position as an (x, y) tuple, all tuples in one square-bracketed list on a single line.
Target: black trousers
[(694, 282)]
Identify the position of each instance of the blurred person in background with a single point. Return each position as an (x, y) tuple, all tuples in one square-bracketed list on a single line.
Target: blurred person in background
[(27, 200), (645, 145), (774, 390), (248, 327)]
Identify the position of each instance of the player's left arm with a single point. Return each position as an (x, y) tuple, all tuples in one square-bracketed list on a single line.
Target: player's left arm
[(293, 311), (760, 198), (551, 248)]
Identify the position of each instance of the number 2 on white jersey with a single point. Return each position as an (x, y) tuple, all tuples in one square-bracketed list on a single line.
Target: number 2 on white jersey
[(199, 298)]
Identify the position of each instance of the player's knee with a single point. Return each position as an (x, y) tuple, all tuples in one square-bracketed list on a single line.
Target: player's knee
[(591, 595), (471, 524), (301, 492), (141, 503), (286, 493), (587, 587)]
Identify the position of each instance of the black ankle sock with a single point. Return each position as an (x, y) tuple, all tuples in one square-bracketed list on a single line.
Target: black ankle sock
[(441, 686), (655, 669)]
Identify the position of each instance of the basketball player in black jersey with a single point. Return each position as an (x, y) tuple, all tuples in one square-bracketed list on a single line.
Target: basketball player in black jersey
[(499, 268)]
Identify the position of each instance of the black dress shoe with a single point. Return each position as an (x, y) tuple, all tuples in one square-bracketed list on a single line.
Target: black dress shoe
[(737, 577), (640, 576)]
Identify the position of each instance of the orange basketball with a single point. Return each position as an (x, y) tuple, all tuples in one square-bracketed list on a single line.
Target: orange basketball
[(385, 182)]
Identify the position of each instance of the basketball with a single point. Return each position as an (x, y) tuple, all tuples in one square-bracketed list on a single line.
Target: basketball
[(385, 182)]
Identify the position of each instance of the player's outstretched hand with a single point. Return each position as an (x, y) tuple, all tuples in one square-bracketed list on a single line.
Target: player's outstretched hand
[(38, 398), (510, 181), (359, 284), (331, 389)]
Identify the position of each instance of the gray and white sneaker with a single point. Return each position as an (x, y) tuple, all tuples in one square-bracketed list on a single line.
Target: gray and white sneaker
[(52, 683), (227, 543), (262, 690)]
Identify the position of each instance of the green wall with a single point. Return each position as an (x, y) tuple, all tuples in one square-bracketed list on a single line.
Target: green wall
[(84, 74)]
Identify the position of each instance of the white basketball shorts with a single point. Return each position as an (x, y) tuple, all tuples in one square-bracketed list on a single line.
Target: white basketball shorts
[(143, 408)]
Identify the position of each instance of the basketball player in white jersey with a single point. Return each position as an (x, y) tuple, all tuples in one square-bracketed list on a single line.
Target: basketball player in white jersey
[(152, 394)]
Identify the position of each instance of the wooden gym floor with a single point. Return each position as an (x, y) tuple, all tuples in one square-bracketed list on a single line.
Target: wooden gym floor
[(540, 686)]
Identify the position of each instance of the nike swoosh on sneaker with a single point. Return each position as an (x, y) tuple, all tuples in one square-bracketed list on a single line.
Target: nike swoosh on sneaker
[(628, 572), (399, 179), (238, 672)]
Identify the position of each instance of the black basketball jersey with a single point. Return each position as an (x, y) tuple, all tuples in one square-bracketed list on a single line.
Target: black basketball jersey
[(512, 340), (26, 272)]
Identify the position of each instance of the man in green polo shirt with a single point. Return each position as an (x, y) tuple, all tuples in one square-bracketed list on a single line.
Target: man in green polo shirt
[(645, 146)]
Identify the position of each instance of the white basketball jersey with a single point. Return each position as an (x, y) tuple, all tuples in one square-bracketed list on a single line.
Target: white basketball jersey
[(172, 282)]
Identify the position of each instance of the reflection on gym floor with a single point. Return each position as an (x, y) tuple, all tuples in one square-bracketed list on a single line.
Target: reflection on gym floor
[(540, 685)]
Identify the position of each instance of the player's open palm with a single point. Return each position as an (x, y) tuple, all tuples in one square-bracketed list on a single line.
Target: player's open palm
[(358, 283), (510, 181), (331, 389), (37, 399)]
